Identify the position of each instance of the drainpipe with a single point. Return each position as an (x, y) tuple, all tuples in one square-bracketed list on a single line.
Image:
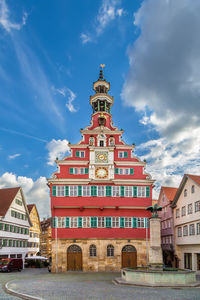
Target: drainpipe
[(56, 236)]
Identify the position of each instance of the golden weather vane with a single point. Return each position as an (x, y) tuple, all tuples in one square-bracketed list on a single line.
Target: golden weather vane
[(102, 66)]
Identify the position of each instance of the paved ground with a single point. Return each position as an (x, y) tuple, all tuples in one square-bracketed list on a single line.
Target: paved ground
[(85, 286)]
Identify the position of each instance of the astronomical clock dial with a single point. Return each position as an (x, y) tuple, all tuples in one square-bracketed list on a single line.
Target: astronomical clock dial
[(101, 157), (101, 172)]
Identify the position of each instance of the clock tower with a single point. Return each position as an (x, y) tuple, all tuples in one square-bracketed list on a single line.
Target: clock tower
[(99, 196)]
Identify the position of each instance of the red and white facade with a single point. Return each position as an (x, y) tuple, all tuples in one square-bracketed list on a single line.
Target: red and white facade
[(99, 197)]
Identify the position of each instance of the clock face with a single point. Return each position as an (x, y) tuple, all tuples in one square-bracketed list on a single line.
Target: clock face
[(101, 157), (101, 172)]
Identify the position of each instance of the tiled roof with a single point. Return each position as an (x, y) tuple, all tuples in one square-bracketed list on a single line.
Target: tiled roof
[(195, 178), (45, 223), (170, 192), (6, 198), (30, 206)]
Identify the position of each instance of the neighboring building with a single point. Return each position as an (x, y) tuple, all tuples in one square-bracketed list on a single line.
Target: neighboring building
[(14, 223), (167, 225), (45, 238), (186, 210), (99, 197), (35, 230)]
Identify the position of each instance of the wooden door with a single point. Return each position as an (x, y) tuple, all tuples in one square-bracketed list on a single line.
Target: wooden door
[(74, 258), (129, 257)]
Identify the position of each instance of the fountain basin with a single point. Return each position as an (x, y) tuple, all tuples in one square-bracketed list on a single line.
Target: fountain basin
[(159, 278)]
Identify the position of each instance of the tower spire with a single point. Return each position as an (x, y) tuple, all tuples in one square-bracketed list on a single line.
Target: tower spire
[(101, 72)]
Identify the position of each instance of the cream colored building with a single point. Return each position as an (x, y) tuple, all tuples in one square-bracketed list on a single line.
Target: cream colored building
[(34, 232), (186, 212)]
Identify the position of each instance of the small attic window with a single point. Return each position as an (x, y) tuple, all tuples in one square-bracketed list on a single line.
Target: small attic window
[(185, 192), (192, 189)]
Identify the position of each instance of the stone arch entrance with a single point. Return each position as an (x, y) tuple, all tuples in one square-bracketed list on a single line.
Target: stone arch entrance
[(74, 258), (129, 257)]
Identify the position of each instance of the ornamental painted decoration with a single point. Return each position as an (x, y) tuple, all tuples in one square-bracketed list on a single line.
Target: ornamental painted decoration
[(101, 172), (101, 157)]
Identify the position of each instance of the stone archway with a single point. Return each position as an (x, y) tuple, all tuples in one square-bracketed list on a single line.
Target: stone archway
[(129, 257), (74, 258)]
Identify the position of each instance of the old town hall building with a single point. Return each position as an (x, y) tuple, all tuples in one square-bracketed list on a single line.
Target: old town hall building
[(99, 196)]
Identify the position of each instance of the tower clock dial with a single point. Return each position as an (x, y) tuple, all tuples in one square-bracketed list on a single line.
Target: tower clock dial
[(101, 157), (101, 172)]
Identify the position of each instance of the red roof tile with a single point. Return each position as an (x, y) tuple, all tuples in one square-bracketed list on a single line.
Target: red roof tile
[(170, 192), (30, 206), (195, 178), (6, 198)]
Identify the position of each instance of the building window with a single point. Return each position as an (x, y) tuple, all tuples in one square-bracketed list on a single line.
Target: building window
[(93, 251), (122, 154), (140, 223), (91, 141), (101, 143), (198, 228), (73, 190), (191, 229), (188, 261), (192, 189), (101, 190), (177, 213), (179, 232), (116, 191), (170, 239), (74, 222), (183, 211), (190, 208), (61, 223), (110, 250), (185, 192), (80, 154), (86, 222), (86, 190), (127, 222), (19, 202), (115, 222), (101, 222), (111, 141), (141, 191), (185, 230), (128, 191), (169, 223), (197, 206), (60, 190)]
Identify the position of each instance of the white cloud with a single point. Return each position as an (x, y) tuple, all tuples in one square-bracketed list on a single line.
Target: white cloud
[(163, 83), (13, 156), (5, 21), (57, 148), (36, 192), (71, 96), (86, 38)]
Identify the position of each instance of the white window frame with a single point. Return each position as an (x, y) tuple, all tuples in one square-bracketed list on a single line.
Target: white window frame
[(183, 211), (141, 190), (82, 171), (115, 222), (74, 222), (101, 190), (141, 222), (73, 191), (197, 206), (101, 222), (128, 191), (82, 154), (177, 213), (60, 190), (198, 228), (179, 232), (185, 230), (86, 190), (86, 222), (60, 222), (191, 229), (128, 222), (116, 191), (190, 209)]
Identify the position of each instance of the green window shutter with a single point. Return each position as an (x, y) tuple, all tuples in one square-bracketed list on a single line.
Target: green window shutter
[(108, 222), (10, 243), (71, 170), (121, 191), (147, 191), (134, 222), (125, 154), (86, 170), (4, 243), (66, 191), (1, 226), (54, 222), (116, 171), (131, 171), (67, 222), (121, 222), (93, 222), (77, 154), (93, 190), (79, 222), (135, 191), (146, 222), (54, 190), (108, 191), (79, 190)]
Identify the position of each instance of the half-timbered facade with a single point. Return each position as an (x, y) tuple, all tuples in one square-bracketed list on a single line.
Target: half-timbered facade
[(99, 196)]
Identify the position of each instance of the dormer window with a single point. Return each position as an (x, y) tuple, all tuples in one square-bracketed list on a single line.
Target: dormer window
[(185, 193), (192, 189), (101, 140), (91, 141), (101, 143), (111, 141)]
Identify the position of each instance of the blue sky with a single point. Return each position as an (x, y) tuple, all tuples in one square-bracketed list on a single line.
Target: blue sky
[(50, 52)]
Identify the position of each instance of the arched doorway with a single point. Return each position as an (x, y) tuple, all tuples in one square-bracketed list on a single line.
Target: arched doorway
[(74, 258), (129, 257)]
